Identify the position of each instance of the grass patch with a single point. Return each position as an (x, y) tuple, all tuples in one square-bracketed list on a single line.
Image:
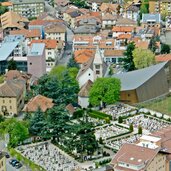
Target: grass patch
[(162, 105), (98, 115), (25, 161)]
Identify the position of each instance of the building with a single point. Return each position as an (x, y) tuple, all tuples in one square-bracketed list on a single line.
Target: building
[(83, 95), (3, 162), (151, 152), (154, 82), (151, 20), (12, 21), (113, 9), (28, 8), (38, 101), (161, 6), (36, 60), (113, 56), (108, 20), (13, 47), (55, 31), (53, 51), (91, 70), (12, 93), (28, 34)]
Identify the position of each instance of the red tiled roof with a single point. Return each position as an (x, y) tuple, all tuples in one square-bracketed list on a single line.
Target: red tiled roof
[(123, 28), (39, 101), (49, 44), (163, 57), (27, 33)]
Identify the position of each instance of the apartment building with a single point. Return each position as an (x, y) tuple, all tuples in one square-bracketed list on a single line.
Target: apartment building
[(12, 93), (160, 6), (28, 8)]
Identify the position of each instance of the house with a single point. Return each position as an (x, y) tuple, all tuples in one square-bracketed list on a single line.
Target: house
[(82, 56), (91, 70), (122, 22), (151, 152), (28, 34), (134, 157), (36, 61), (12, 21), (86, 30), (136, 90), (83, 95), (91, 42), (151, 20), (38, 101), (53, 51), (41, 24), (70, 108), (120, 30), (113, 56), (113, 9), (12, 93), (17, 49), (18, 75), (163, 7), (55, 31), (28, 8), (131, 12), (70, 16), (108, 20)]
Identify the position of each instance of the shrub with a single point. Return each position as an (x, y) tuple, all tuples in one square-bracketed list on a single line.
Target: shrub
[(139, 129), (78, 114), (131, 127), (98, 115), (120, 119)]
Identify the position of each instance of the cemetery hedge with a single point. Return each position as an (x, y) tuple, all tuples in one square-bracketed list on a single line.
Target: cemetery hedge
[(98, 115)]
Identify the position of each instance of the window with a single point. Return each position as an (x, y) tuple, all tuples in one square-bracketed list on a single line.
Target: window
[(10, 107), (49, 53), (97, 72), (89, 74), (3, 101), (128, 95), (97, 66), (30, 63), (9, 101)]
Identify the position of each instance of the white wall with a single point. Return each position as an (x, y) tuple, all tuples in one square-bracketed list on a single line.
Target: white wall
[(83, 101)]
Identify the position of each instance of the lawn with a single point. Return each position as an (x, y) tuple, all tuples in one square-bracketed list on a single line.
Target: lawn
[(163, 105)]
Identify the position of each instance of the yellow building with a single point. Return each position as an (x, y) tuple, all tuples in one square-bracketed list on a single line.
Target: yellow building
[(2, 162), (160, 6), (12, 93)]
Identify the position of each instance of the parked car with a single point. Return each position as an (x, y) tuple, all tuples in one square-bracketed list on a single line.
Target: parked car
[(13, 162), (7, 155), (18, 165)]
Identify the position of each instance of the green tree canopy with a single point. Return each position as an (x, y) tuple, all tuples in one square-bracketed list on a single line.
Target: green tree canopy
[(128, 60), (105, 91), (165, 48), (143, 58), (12, 65), (17, 130), (3, 9), (37, 122), (72, 63)]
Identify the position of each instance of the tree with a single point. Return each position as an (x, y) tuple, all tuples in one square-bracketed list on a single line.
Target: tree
[(143, 58), (131, 128), (72, 63), (12, 65), (165, 48), (139, 129), (37, 122), (17, 130), (120, 119), (128, 60), (105, 91), (3, 9), (153, 43)]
